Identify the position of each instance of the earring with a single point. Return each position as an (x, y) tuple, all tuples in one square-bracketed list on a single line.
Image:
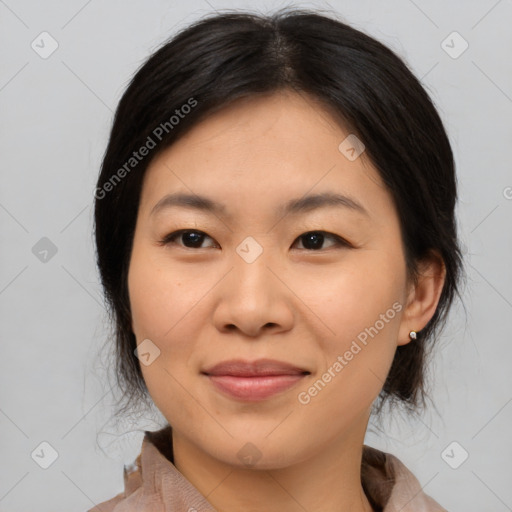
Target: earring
[(412, 335)]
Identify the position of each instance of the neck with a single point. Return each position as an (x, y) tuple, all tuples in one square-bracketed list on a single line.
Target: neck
[(330, 481)]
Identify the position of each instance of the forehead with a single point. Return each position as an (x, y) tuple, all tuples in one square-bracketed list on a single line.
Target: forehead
[(261, 150)]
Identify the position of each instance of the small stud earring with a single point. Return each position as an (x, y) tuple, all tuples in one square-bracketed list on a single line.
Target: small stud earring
[(412, 335)]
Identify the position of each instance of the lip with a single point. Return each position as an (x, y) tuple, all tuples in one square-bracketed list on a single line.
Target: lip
[(256, 368), (254, 380)]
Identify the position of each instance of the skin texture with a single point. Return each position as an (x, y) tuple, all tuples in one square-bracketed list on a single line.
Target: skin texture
[(294, 303)]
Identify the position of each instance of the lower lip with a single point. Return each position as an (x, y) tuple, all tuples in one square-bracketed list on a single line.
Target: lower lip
[(253, 389)]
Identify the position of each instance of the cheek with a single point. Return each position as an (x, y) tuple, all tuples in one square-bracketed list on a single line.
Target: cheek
[(355, 362), (158, 296), (354, 297), (165, 307), (361, 308)]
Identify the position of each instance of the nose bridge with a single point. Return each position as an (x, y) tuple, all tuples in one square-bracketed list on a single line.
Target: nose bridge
[(251, 272)]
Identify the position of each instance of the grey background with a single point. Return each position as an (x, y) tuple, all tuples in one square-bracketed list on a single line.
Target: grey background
[(55, 117)]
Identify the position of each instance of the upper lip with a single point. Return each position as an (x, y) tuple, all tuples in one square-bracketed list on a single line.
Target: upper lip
[(259, 367)]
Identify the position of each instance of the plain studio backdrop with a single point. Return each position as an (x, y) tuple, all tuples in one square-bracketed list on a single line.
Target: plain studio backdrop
[(64, 66)]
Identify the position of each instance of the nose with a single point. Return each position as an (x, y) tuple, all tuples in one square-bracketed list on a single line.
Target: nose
[(253, 299)]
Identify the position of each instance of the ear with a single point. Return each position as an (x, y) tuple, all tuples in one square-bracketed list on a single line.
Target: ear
[(423, 296)]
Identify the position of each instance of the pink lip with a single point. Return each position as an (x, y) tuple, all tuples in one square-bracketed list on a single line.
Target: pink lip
[(253, 389), (256, 380)]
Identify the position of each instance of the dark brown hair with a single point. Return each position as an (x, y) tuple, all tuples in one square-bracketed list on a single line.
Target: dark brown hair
[(232, 55)]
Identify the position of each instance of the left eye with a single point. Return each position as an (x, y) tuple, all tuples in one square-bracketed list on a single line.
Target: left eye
[(314, 239), (193, 239)]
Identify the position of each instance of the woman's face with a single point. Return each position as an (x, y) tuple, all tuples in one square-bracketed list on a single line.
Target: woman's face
[(247, 283)]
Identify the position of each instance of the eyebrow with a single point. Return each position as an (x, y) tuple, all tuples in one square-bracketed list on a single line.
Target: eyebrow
[(294, 206)]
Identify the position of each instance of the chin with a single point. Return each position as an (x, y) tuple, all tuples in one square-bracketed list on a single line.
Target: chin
[(258, 453)]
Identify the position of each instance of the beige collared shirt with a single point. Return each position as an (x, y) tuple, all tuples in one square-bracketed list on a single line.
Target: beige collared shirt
[(154, 484)]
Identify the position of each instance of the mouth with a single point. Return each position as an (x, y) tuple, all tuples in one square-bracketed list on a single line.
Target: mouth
[(254, 380)]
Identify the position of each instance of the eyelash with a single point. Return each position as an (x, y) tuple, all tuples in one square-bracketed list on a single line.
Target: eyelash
[(340, 242)]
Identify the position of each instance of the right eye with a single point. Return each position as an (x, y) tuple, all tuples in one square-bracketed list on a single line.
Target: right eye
[(191, 239)]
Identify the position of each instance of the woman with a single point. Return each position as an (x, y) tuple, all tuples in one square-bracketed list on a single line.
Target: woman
[(276, 239)]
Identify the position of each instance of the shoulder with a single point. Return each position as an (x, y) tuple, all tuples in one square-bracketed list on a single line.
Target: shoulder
[(108, 506), (393, 485)]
